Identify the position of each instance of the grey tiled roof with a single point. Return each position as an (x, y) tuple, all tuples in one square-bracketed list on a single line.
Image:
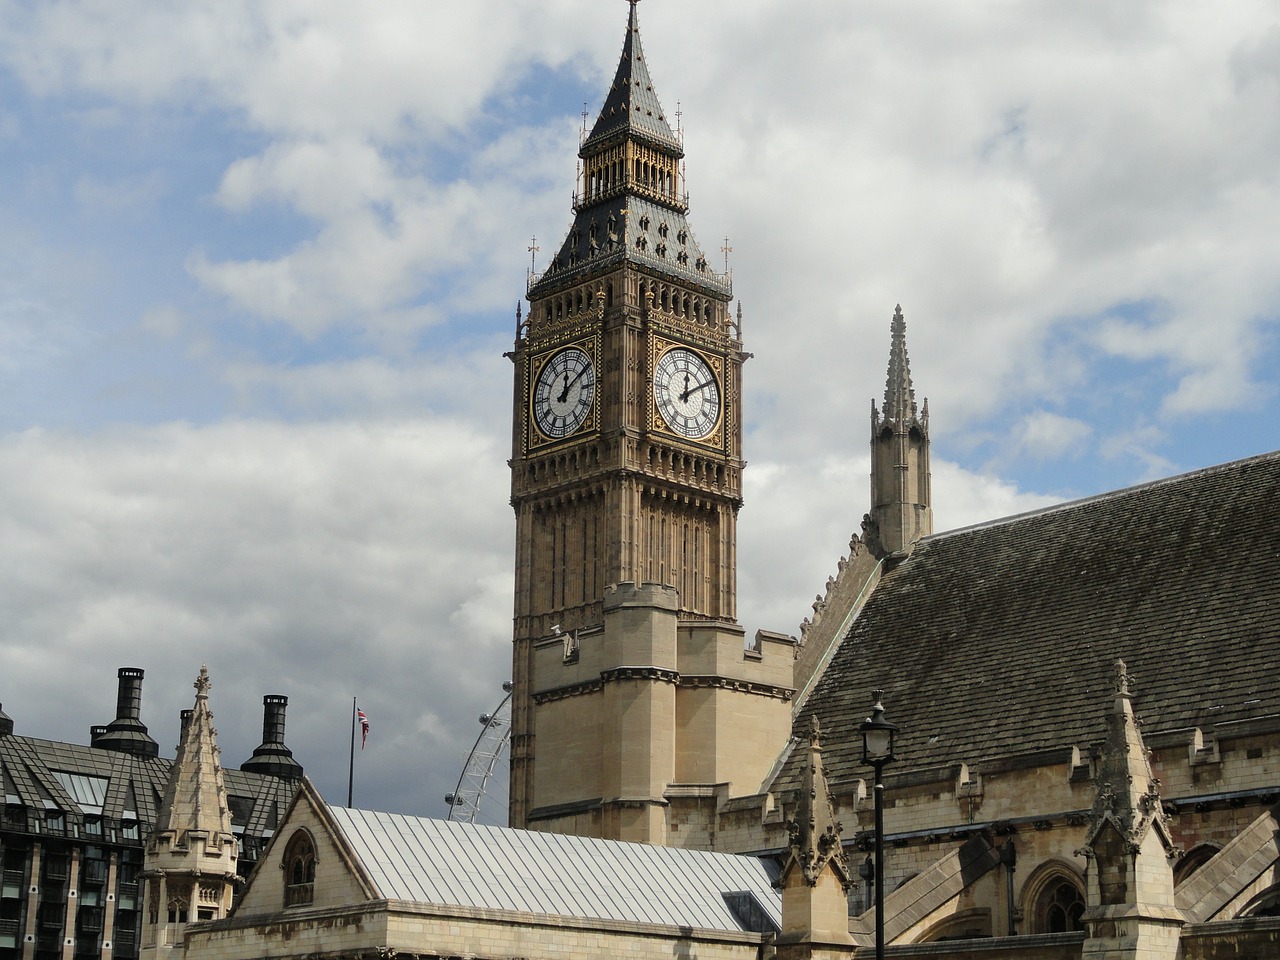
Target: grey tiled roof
[(999, 640), (32, 766), (470, 865)]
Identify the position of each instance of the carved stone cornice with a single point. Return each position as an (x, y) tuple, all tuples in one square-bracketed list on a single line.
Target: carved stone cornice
[(741, 686), (662, 675)]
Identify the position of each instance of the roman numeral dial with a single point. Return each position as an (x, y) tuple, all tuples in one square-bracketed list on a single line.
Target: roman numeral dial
[(687, 393), (564, 393)]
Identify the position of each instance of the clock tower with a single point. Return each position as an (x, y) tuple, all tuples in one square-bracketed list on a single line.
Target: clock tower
[(626, 479)]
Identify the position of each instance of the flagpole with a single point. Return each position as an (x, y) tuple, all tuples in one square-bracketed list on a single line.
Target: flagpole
[(351, 770)]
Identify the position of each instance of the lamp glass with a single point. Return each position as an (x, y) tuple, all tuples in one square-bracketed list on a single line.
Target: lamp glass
[(877, 743)]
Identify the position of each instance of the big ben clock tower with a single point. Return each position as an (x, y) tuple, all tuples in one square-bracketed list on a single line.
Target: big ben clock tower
[(626, 483)]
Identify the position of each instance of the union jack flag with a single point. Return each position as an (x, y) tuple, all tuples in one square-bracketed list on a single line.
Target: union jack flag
[(364, 727)]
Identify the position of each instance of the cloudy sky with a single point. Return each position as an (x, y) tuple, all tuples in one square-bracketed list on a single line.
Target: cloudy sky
[(259, 264)]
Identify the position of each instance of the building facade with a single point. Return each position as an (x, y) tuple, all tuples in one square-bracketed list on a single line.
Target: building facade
[(995, 646), (77, 817)]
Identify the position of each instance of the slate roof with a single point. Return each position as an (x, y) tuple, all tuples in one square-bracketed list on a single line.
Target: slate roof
[(1000, 640), (120, 787), (470, 865), (631, 106), (629, 227)]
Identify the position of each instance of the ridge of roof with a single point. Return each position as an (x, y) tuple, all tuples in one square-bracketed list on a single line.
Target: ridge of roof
[(1101, 497)]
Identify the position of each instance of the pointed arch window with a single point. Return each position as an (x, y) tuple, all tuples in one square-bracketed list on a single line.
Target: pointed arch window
[(1055, 896), (299, 869)]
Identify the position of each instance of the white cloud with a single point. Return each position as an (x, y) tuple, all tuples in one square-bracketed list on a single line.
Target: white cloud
[(1043, 435), (320, 562), (1073, 203)]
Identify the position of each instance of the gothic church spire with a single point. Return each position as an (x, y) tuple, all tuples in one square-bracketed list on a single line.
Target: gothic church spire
[(901, 501), (899, 396), (191, 856)]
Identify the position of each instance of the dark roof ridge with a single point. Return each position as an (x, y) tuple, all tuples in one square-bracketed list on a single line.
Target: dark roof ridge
[(1102, 497)]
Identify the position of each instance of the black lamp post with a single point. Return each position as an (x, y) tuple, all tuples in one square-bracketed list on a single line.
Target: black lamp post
[(877, 750)]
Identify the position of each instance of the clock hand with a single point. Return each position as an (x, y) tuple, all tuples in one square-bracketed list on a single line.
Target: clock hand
[(564, 394), (690, 391)]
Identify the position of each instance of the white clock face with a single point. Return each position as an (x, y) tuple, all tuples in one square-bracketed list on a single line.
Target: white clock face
[(687, 393), (564, 392)]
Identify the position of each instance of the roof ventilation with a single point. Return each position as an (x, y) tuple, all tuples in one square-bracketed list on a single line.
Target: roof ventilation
[(272, 757), (126, 733)]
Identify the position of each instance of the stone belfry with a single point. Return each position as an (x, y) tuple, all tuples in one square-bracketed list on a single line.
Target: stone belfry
[(901, 504), (626, 477), (189, 866)]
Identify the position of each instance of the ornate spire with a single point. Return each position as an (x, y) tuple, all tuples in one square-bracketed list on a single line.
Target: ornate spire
[(632, 104), (1128, 794), (195, 798), (815, 832), (190, 860), (630, 205), (899, 396), (1131, 910), (901, 499)]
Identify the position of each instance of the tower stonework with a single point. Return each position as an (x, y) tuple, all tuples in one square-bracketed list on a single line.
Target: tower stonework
[(901, 502), (626, 484)]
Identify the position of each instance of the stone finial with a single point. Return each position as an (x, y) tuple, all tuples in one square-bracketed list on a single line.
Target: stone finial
[(203, 683), (1122, 679), (1128, 794), (815, 834)]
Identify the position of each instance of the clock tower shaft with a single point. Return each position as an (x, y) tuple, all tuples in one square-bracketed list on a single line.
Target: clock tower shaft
[(626, 503)]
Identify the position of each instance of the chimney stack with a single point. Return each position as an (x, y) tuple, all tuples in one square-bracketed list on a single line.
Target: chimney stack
[(6, 723), (272, 757), (126, 733)]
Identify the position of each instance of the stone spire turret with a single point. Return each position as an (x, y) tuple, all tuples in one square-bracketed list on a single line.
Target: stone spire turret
[(815, 878), (1130, 911), (901, 501), (190, 860)]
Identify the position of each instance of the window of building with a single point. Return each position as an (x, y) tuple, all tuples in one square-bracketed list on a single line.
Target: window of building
[(1054, 895), (299, 870), (1193, 860), (1265, 904)]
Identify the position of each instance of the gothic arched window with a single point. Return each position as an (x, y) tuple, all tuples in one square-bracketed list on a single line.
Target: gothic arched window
[(299, 869), (1193, 860), (1055, 897)]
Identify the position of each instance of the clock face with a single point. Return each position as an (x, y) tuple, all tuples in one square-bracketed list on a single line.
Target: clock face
[(564, 392), (687, 393)]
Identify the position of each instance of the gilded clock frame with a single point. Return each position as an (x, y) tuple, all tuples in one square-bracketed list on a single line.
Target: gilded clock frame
[(534, 438), (658, 346)]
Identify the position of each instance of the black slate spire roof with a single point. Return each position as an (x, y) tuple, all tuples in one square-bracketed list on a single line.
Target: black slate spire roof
[(632, 106), (632, 221)]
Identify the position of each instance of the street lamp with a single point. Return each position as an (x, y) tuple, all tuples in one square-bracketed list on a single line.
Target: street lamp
[(877, 750)]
